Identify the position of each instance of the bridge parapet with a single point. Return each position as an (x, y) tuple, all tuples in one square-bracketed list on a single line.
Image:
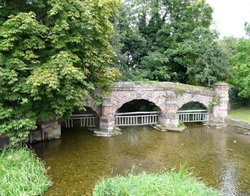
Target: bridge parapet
[(161, 86)]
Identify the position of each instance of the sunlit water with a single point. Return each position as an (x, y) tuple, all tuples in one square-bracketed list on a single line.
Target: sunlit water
[(220, 158)]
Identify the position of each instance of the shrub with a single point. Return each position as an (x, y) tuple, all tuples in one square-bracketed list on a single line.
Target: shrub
[(22, 173), (181, 123), (167, 183)]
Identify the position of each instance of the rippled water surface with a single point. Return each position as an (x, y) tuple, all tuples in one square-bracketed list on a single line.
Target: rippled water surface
[(220, 158)]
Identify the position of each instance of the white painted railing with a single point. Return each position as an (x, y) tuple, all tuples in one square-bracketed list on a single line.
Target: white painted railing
[(86, 120), (136, 118), (193, 115)]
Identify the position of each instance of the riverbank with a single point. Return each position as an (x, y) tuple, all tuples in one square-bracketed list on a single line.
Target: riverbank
[(22, 173), (240, 117), (242, 114)]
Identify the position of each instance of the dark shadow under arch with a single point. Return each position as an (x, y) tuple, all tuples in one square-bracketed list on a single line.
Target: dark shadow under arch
[(138, 105), (193, 106), (86, 110)]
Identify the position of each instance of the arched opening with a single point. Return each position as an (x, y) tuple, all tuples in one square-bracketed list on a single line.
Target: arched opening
[(87, 118), (137, 112), (193, 106), (138, 105), (86, 110), (193, 112)]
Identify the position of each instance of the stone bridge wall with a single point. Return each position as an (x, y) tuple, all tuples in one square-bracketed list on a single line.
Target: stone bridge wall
[(169, 97)]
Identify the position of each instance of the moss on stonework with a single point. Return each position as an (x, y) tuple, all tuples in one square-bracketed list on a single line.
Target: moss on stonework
[(180, 89), (215, 101), (177, 87)]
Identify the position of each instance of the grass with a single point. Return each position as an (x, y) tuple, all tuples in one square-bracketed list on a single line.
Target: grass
[(167, 183), (22, 173), (242, 114)]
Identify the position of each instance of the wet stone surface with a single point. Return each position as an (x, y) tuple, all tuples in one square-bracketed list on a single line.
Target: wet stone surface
[(220, 158)]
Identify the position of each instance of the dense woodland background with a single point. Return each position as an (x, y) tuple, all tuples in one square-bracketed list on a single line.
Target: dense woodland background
[(55, 53)]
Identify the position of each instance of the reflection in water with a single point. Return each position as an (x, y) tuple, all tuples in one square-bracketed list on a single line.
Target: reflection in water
[(79, 159)]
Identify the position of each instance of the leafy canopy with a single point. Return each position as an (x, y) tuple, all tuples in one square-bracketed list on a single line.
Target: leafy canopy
[(52, 55), (170, 40), (241, 66)]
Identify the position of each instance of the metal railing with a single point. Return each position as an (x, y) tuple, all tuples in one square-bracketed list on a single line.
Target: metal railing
[(86, 120), (193, 115), (136, 118)]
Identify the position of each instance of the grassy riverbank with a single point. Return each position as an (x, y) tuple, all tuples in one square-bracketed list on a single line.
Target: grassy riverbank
[(170, 183), (22, 173), (242, 114)]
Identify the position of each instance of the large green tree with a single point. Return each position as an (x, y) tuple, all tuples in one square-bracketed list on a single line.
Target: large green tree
[(172, 40), (241, 66), (52, 55)]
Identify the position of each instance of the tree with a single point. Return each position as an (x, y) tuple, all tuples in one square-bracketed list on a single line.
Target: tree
[(177, 42), (51, 59), (241, 68)]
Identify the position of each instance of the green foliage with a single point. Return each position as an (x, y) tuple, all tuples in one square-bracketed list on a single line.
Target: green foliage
[(172, 41), (215, 101), (138, 105), (180, 123), (241, 68), (236, 100), (167, 183), (52, 55), (153, 67), (19, 48), (210, 66), (193, 106), (22, 173), (228, 46)]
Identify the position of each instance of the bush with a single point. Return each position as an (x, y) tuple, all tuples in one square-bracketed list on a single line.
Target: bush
[(22, 173), (181, 123), (167, 183)]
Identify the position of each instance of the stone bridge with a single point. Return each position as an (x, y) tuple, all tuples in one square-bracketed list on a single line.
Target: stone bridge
[(169, 97)]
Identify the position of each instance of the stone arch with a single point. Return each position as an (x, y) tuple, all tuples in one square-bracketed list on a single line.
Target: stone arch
[(123, 98), (187, 98), (195, 104), (91, 104), (139, 100)]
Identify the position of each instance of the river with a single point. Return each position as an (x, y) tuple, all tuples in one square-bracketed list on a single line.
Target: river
[(218, 157)]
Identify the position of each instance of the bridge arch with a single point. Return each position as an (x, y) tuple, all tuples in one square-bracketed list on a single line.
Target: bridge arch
[(91, 104), (155, 98), (137, 112), (193, 105), (189, 98), (86, 117), (137, 105)]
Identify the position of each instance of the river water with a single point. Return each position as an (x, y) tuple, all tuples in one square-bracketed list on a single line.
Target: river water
[(218, 157)]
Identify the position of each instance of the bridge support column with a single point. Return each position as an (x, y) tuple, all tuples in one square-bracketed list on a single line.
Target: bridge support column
[(107, 120), (169, 121), (51, 130), (169, 118), (220, 110)]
